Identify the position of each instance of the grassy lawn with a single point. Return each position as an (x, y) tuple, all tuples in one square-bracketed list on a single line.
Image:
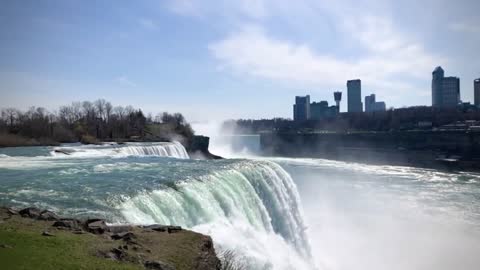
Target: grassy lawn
[(28, 249)]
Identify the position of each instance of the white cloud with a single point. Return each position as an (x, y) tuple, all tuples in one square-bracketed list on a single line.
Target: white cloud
[(251, 51)]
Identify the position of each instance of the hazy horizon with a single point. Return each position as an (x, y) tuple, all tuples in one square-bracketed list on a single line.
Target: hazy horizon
[(236, 59)]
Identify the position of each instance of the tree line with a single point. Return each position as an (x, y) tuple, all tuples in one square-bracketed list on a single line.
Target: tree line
[(90, 122)]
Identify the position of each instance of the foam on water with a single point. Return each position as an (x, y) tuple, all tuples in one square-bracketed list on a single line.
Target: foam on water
[(419, 174), (174, 149), (252, 207), (65, 156)]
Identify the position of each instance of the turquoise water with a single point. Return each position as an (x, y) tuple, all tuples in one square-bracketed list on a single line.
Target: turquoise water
[(277, 213)]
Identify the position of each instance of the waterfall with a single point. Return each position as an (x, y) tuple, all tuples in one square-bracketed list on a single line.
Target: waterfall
[(251, 205), (173, 149)]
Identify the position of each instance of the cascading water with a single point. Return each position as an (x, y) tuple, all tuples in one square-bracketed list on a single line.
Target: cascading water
[(174, 149), (251, 207), (359, 216)]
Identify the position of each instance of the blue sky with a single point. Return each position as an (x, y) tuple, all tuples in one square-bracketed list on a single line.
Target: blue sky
[(232, 58)]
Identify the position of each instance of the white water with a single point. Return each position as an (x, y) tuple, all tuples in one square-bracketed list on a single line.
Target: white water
[(356, 216), (253, 208), (174, 149)]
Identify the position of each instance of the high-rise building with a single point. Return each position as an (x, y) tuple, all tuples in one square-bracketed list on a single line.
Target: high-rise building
[(301, 108), (318, 110), (338, 97), (437, 77), (476, 90), (369, 103), (451, 91), (379, 106), (354, 93), (445, 90)]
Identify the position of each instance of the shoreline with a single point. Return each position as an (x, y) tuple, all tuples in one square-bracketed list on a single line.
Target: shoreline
[(198, 148), (414, 159), (441, 150)]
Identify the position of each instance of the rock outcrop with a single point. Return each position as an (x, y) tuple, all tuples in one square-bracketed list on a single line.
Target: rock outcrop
[(161, 247), (198, 148)]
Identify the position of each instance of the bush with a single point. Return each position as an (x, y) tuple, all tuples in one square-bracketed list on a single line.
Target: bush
[(13, 140), (61, 134), (88, 139)]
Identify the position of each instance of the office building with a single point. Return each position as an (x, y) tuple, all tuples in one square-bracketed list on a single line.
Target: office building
[(354, 93), (301, 108), (445, 90), (476, 90), (379, 106), (371, 105), (318, 110)]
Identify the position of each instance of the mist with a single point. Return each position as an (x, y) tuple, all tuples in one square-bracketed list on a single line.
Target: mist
[(388, 219), (377, 217)]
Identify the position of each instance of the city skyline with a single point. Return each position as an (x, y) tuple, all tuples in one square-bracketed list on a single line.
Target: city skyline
[(445, 93), (188, 55)]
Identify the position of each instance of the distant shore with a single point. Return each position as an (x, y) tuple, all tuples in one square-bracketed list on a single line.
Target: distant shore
[(453, 150), (197, 147)]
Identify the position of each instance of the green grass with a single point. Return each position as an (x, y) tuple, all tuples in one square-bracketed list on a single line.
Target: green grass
[(30, 250)]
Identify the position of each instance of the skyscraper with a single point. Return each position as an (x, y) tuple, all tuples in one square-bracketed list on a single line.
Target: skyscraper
[(354, 89), (437, 77), (301, 108), (445, 90), (318, 110), (369, 103), (476, 90), (451, 91)]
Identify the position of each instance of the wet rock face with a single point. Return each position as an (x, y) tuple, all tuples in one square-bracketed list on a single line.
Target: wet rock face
[(208, 259)]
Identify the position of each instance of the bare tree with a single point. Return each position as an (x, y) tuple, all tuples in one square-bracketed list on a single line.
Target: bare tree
[(120, 112), (11, 115), (108, 110), (100, 108), (88, 109)]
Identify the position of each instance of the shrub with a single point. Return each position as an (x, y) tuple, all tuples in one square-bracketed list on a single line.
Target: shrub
[(88, 139)]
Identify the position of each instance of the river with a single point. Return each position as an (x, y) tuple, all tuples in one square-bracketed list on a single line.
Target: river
[(275, 213)]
